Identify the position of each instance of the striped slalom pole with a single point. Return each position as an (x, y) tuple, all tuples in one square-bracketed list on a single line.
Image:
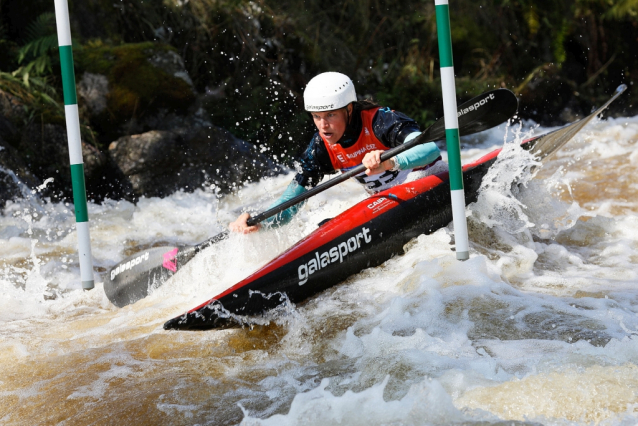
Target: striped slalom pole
[(452, 128), (75, 143)]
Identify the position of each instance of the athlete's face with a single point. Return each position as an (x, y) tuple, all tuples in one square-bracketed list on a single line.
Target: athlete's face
[(332, 124)]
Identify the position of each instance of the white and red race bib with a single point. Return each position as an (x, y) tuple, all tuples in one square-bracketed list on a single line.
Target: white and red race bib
[(347, 158)]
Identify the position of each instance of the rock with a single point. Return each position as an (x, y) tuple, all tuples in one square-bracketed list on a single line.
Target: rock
[(170, 62), (16, 181), (160, 162), (123, 89), (93, 90), (45, 150), (35, 150), (12, 113)]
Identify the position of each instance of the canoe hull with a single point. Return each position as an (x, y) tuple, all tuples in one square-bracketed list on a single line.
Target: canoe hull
[(364, 236)]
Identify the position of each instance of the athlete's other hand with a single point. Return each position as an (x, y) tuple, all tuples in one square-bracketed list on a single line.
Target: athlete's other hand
[(372, 161), (241, 226)]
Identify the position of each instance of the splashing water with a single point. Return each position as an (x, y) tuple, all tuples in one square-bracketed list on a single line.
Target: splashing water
[(538, 327)]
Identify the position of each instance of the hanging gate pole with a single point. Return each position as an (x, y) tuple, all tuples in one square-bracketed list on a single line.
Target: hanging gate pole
[(452, 129), (75, 143)]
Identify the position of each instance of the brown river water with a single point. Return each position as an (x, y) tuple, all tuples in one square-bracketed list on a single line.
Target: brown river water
[(540, 326)]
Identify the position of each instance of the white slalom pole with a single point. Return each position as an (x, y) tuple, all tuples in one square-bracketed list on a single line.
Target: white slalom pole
[(452, 129), (75, 143)]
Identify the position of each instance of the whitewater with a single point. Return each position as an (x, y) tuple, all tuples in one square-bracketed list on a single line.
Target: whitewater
[(539, 326)]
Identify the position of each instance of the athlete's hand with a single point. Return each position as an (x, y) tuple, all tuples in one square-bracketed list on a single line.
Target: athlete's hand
[(372, 161), (241, 226)]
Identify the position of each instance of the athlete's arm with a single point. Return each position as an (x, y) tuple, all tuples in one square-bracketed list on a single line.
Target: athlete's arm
[(283, 217), (418, 156), (314, 163), (394, 128)]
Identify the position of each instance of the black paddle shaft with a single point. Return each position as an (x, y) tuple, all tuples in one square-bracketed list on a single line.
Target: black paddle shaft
[(480, 113)]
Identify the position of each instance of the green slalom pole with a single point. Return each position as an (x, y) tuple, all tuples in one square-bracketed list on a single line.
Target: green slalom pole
[(75, 143), (452, 129)]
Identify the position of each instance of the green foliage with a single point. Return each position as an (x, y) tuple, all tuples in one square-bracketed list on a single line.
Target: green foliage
[(33, 82), (41, 44), (253, 58), (622, 9), (137, 86), (37, 97), (243, 52), (560, 55)]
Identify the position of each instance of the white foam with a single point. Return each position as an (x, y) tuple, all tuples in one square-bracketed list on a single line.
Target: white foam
[(425, 403), (549, 290)]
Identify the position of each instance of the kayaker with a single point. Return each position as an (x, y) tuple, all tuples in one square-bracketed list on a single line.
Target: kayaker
[(350, 133)]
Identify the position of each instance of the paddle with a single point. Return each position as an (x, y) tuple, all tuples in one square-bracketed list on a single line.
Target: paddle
[(131, 279)]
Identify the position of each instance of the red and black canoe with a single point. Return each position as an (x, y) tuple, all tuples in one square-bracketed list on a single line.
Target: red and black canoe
[(135, 277), (364, 236)]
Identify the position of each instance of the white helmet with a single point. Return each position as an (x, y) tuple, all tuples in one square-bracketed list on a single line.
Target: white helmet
[(329, 91)]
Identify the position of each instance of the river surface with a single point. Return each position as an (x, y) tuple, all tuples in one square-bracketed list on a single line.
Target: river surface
[(540, 326)]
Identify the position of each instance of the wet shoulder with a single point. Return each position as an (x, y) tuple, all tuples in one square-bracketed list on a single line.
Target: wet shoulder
[(391, 127)]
